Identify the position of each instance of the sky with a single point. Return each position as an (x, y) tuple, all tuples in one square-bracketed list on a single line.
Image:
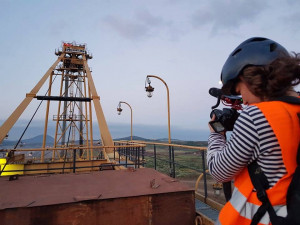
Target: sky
[(184, 42)]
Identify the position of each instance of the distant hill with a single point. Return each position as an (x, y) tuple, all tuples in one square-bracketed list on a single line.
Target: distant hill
[(165, 140), (30, 141), (39, 139), (136, 138)]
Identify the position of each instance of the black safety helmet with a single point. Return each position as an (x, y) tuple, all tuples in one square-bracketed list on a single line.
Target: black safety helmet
[(256, 51)]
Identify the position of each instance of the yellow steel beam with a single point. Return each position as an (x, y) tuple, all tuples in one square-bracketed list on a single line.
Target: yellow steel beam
[(9, 167), (86, 119), (91, 122), (165, 144), (104, 131), (53, 167), (9, 123), (66, 166), (72, 148), (47, 116)]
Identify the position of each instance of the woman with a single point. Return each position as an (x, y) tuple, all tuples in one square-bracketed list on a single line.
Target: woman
[(267, 131)]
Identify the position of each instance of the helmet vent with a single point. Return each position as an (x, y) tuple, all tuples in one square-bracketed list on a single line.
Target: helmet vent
[(273, 46), (237, 51), (258, 39)]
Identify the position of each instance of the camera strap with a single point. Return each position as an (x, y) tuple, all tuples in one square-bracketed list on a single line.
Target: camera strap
[(289, 99), (261, 184)]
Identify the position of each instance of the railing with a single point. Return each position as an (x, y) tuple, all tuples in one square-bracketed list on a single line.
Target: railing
[(128, 155), (186, 163), (183, 162), (125, 155)]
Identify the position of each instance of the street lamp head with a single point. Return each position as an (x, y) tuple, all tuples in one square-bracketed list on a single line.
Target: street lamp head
[(149, 88), (119, 109)]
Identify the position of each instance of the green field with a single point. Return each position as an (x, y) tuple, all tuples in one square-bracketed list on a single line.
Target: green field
[(188, 162)]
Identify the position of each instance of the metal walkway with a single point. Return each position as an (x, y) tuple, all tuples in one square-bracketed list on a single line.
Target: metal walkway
[(206, 210)]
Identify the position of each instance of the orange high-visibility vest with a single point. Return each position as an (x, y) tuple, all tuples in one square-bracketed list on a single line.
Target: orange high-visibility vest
[(244, 203)]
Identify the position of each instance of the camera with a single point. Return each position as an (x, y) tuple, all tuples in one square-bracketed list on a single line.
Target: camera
[(225, 118)]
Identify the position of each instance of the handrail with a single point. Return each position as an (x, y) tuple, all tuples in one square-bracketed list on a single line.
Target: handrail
[(165, 144), (132, 154), (70, 148), (172, 158)]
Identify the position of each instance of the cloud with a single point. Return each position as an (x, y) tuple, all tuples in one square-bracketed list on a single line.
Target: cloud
[(230, 14), (125, 28), (148, 19), (142, 25)]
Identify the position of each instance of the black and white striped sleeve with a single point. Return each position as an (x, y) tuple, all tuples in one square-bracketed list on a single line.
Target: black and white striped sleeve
[(226, 159), (252, 139)]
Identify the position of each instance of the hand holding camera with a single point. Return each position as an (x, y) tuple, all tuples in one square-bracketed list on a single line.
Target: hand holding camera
[(223, 120)]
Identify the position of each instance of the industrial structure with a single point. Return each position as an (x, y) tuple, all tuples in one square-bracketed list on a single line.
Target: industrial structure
[(83, 182), (74, 113)]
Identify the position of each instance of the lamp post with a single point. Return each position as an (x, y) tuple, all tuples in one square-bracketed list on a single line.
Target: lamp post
[(150, 89), (119, 109)]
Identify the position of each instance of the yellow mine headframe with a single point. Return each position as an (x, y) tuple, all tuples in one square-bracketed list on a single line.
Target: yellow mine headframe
[(75, 96)]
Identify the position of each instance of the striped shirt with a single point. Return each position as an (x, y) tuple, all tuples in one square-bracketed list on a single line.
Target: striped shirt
[(252, 139)]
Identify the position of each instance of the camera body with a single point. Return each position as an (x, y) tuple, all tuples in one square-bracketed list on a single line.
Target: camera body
[(224, 120), (226, 117)]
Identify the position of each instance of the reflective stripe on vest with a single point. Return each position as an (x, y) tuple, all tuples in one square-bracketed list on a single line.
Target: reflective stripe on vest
[(284, 121), (240, 211)]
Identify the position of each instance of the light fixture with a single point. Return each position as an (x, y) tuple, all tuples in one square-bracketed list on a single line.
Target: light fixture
[(119, 109), (149, 88)]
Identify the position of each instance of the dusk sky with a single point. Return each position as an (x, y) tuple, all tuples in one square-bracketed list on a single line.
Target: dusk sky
[(184, 42)]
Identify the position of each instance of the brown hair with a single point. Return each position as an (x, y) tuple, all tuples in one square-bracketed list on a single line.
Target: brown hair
[(270, 81)]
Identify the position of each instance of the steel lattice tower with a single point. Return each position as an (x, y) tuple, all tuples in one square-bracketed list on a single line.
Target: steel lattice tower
[(76, 94)]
